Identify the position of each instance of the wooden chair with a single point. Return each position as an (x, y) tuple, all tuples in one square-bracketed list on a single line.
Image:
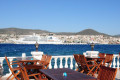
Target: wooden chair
[(0, 71), (108, 59), (42, 59), (39, 66), (76, 57), (101, 55), (47, 62), (85, 67), (15, 71), (107, 73), (119, 57)]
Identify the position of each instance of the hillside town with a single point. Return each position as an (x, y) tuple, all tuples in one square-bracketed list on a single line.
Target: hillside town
[(51, 38)]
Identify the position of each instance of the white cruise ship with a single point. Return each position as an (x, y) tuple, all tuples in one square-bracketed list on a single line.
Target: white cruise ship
[(31, 39)]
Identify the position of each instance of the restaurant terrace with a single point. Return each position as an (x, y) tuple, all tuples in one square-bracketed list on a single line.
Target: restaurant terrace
[(67, 66)]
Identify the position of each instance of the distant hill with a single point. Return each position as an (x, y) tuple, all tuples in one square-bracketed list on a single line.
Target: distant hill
[(65, 33), (19, 31), (117, 35), (90, 32)]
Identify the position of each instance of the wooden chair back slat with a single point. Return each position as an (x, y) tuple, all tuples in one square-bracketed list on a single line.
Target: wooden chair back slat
[(24, 73), (43, 57), (108, 59), (47, 61), (82, 59), (76, 57), (107, 73)]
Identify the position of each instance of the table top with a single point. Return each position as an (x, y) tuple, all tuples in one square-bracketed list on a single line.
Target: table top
[(57, 74), (102, 58), (27, 59)]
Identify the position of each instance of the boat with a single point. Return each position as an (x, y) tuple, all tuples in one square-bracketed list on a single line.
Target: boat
[(32, 39)]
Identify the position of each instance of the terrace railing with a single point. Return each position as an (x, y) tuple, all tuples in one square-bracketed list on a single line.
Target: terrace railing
[(66, 61)]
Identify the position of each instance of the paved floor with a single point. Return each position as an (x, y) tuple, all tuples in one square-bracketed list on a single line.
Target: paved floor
[(118, 75)]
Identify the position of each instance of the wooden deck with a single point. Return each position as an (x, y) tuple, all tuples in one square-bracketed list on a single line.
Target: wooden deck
[(117, 76)]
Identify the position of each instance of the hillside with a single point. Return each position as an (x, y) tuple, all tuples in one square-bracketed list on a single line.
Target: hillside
[(65, 33), (20, 31), (117, 35), (90, 32)]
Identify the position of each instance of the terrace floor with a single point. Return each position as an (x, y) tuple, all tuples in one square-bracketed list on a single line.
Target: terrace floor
[(117, 76)]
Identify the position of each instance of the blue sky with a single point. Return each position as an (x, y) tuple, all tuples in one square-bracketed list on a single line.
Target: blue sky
[(61, 15)]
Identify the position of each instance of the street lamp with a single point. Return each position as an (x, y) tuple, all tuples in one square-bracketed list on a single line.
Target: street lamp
[(92, 46), (36, 46)]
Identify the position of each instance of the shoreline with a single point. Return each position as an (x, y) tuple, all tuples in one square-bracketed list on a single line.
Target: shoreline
[(61, 44)]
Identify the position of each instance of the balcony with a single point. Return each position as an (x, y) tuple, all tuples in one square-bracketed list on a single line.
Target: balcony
[(66, 61)]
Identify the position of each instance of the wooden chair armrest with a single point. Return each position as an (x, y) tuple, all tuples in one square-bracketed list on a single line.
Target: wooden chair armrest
[(90, 60), (38, 62), (15, 63), (109, 61), (35, 76), (42, 62), (45, 66)]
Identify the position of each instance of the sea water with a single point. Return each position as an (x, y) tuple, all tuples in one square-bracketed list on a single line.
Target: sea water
[(54, 49)]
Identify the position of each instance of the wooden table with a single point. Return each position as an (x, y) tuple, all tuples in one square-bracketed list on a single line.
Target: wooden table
[(57, 74), (29, 63)]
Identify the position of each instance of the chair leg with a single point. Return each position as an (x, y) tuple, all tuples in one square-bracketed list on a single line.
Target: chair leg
[(82, 71), (16, 76), (109, 64), (77, 69), (39, 76), (9, 77), (91, 71)]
